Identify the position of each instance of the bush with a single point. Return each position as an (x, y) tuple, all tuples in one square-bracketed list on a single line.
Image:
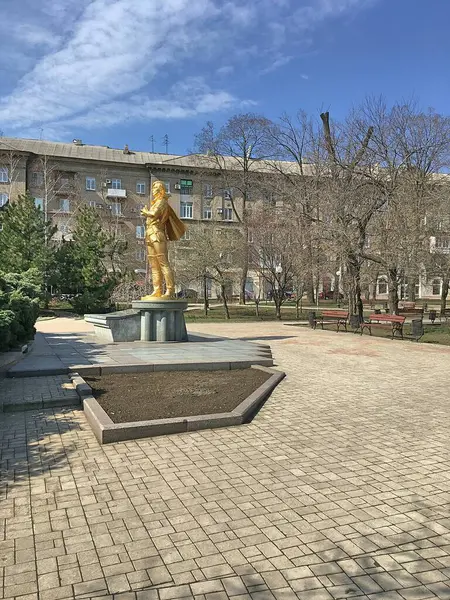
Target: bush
[(19, 307), (7, 318), (91, 301)]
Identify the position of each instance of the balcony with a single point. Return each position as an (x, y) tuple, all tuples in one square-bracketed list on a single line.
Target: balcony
[(113, 193)]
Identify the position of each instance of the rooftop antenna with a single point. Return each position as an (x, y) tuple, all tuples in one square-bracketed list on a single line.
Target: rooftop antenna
[(166, 143), (152, 140), (41, 131)]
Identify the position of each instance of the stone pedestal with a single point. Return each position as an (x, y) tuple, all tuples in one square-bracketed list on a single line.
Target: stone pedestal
[(162, 320), (121, 326)]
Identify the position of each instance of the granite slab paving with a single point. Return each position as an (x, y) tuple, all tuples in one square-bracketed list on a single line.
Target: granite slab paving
[(58, 353), (339, 488)]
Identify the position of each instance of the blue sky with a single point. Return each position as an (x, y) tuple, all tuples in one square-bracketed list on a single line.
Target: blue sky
[(113, 72)]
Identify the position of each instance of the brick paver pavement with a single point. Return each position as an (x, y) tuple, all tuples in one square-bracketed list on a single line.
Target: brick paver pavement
[(37, 390), (338, 488)]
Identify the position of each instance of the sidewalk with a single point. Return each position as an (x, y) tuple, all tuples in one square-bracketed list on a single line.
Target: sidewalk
[(338, 488)]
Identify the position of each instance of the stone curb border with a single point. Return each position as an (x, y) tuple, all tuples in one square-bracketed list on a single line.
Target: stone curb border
[(97, 370), (107, 432)]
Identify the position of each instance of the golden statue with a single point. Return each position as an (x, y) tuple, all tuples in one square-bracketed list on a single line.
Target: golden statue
[(161, 225)]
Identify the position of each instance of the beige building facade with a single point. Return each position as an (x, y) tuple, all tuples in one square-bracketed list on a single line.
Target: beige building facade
[(116, 183)]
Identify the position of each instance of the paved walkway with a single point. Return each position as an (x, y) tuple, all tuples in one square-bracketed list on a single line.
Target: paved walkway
[(338, 488), (37, 392)]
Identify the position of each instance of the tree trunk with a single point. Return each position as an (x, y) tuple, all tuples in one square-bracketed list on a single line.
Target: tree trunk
[(297, 308), (310, 290), (205, 296), (242, 295), (355, 303), (257, 301), (411, 289), (277, 302), (224, 300), (444, 292), (393, 290)]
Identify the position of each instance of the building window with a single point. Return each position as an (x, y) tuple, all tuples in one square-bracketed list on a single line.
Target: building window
[(207, 212), (64, 205), (186, 235), (436, 287), (186, 210), (39, 203), (228, 194), (140, 187), (382, 286), (37, 179), (4, 176), (250, 236), (140, 254), (4, 199), (116, 184), (116, 209), (208, 191), (92, 203), (228, 213), (167, 186), (90, 184), (140, 231), (442, 243), (63, 228), (186, 186)]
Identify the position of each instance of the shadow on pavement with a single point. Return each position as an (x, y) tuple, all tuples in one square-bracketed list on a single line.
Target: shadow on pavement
[(35, 444)]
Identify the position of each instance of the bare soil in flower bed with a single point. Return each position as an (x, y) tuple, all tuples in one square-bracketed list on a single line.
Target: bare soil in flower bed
[(128, 397)]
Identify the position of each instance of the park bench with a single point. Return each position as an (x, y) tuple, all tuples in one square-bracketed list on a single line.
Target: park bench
[(332, 317), (444, 315), (393, 322), (409, 308)]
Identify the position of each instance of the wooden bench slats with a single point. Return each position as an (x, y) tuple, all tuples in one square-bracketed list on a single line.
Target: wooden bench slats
[(333, 317), (394, 322)]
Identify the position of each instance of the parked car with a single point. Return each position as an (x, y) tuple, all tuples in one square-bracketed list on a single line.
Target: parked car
[(330, 295)]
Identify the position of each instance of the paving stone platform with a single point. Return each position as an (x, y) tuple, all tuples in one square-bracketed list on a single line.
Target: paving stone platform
[(339, 488), (59, 353)]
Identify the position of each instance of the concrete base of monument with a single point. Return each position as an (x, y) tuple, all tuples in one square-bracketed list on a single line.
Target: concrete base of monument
[(162, 320), (154, 320), (121, 326)]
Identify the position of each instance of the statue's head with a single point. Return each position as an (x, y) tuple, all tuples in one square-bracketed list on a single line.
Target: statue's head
[(158, 190)]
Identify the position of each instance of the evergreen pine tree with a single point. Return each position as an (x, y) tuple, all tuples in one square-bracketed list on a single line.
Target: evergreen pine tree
[(25, 237)]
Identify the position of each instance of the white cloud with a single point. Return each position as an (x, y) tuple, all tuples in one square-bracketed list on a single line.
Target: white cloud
[(186, 99), (105, 61), (225, 70), (35, 35), (278, 62)]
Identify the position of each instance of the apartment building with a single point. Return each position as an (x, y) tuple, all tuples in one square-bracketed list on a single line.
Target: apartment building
[(116, 183)]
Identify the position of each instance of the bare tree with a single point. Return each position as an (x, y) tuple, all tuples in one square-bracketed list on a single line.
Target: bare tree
[(274, 251), (236, 152), (411, 148), (213, 255)]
